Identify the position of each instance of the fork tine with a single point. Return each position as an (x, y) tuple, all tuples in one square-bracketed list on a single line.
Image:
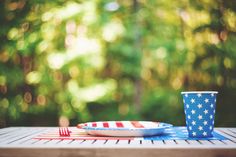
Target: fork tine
[(60, 132), (64, 131)]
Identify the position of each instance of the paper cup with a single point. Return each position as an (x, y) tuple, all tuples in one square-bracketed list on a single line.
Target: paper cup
[(199, 109)]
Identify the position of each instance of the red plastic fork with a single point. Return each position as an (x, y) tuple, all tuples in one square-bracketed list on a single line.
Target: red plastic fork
[(64, 131)]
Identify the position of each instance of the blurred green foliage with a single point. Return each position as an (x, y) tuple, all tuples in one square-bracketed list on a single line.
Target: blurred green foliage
[(74, 61)]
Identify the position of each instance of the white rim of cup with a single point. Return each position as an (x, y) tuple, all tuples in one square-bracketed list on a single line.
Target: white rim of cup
[(187, 92)]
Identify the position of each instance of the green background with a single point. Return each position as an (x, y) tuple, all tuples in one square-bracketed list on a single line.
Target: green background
[(64, 62)]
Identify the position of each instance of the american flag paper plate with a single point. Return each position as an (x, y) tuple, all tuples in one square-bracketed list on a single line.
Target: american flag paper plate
[(124, 128)]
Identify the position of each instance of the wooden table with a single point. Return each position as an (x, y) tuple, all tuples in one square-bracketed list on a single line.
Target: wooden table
[(17, 141)]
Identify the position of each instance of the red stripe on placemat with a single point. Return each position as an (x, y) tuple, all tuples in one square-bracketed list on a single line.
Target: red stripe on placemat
[(119, 124), (94, 124), (105, 124), (136, 124), (84, 138)]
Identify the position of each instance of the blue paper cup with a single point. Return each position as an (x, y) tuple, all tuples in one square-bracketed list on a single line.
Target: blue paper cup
[(199, 109)]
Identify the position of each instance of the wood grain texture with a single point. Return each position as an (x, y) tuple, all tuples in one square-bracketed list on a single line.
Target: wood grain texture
[(19, 142), (118, 152)]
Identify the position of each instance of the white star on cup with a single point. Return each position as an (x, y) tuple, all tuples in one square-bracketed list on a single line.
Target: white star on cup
[(199, 94), (206, 100), (193, 111), (199, 116), (200, 128), (204, 133), (189, 117), (205, 111), (192, 101), (193, 122), (205, 122), (199, 105), (194, 133), (212, 105)]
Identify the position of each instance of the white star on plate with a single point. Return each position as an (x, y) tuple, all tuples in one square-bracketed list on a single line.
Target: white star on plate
[(205, 111), (215, 100), (214, 111), (211, 116), (194, 133), (210, 127), (199, 116), (190, 128), (193, 111), (212, 94), (189, 117), (186, 95), (200, 128), (212, 105), (199, 94), (187, 105), (204, 133), (192, 101), (206, 100), (205, 122), (199, 105), (194, 122)]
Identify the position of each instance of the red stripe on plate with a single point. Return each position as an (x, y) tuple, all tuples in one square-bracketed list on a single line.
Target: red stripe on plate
[(105, 124), (136, 124), (94, 124), (119, 124)]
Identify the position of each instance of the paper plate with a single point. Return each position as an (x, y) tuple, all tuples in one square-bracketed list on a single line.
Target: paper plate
[(124, 128)]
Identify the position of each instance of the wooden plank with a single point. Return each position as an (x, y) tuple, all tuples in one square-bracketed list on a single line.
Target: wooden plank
[(76, 142), (116, 152), (233, 130), (14, 135), (27, 138), (182, 142), (22, 135), (5, 131), (87, 143), (217, 142), (146, 143), (99, 142), (169, 142), (111, 142), (135, 142), (226, 134), (30, 141), (122, 142), (158, 143), (64, 142), (52, 142), (228, 142), (205, 142), (193, 142)]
